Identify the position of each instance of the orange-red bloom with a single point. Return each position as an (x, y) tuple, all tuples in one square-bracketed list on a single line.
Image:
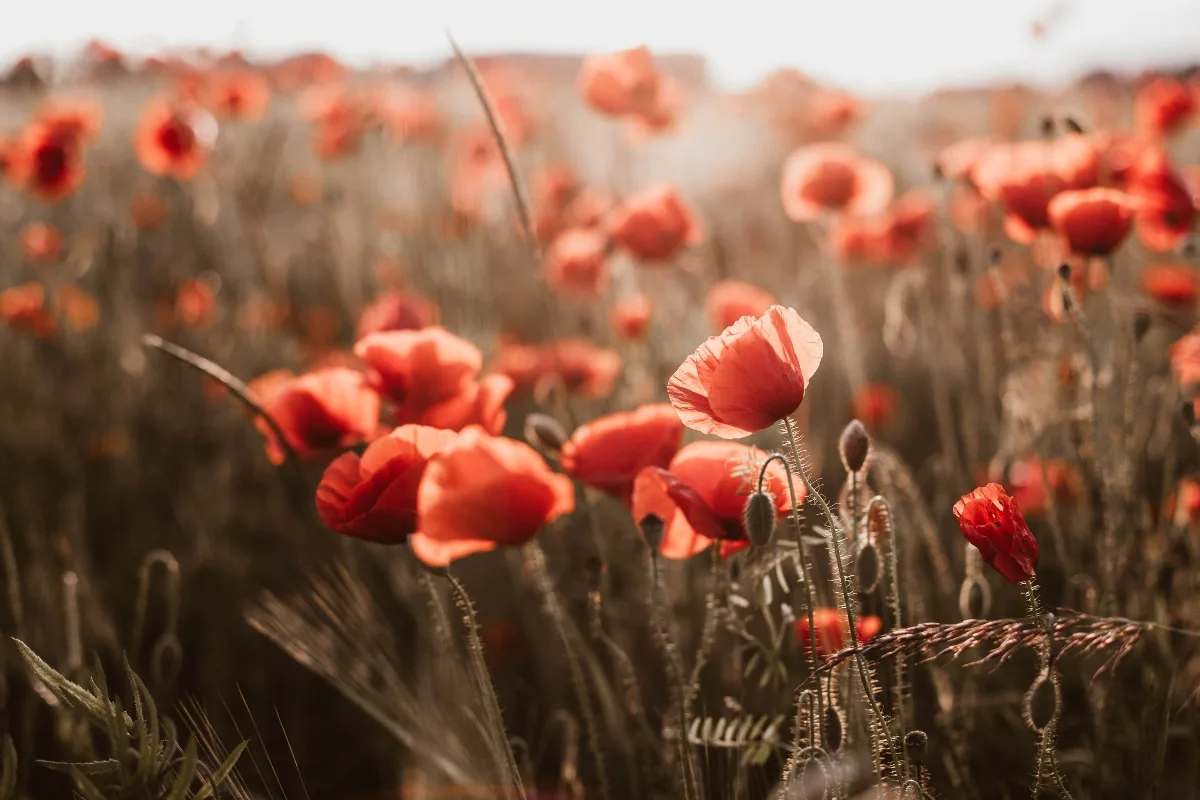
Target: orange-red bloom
[(195, 303), (1165, 211), (895, 237), (396, 310), (875, 405), (238, 94), (655, 224), (992, 521), (625, 82), (702, 495), (575, 263), (1162, 106), (832, 178), (375, 497), (78, 308), (47, 161), (1185, 359), (1093, 222), (728, 301), (409, 115), (173, 139), (1031, 477), (831, 629), (630, 316), (609, 452), (749, 377), (41, 242), (480, 492), (1171, 284), (23, 308), (318, 411), (580, 367), (417, 369)]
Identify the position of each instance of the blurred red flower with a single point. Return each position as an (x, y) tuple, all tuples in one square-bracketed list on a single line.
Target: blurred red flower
[(77, 307), (992, 522), (578, 366), (23, 308), (147, 210), (702, 494), (76, 119), (1185, 359), (374, 497), (625, 82), (195, 303), (417, 369), (894, 238), (396, 310), (554, 187), (958, 161), (831, 630), (655, 225), (1093, 222), (1165, 209), (749, 377), (830, 177), (173, 139), (1163, 106), (47, 162), (318, 411), (41, 242), (239, 94), (1030, 478), (729, 300), (875, 405), (630, 316), (609, 452), (480, 492), (575, 263), (1171, 284)]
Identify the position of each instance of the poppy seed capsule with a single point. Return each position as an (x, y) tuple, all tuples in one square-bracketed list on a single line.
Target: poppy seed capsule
[(916, 744), (832, 729), (1041, 702), (653, 527), (544, 431), (867, 565), (759, 518), (854, 446)]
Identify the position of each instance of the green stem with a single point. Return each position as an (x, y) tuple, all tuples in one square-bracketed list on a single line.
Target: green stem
[(675, 667), (898, 689)]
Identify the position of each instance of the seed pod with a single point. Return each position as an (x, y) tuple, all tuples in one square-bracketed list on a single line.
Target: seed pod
[(1042, 702), (545, 432), (653, 527), (867, 564), (1141, 323), (854, 446), (916, 744), (759, 518), (832, 729)]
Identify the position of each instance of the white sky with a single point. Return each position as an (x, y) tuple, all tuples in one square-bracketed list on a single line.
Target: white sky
[(871, 46)]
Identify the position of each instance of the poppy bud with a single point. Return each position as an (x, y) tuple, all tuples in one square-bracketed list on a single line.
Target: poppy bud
[(1071, 124), (545, 432), (995, 253), (1064, 271), (1188, 409), (867, 563), (832, 729), (854, 446), (653, 527), (1041, 702), (1047, 125), (937, 172), (1141, 323), (759, 518), (916, 744)]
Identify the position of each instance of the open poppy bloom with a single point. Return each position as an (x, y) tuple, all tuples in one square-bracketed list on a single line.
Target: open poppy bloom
[(831, 630), (992, 522), (23, 308), (748, 377), (1165, 210), (578, 366), (41, 242), (1171, 284), (173, 139), (831, 178), (238, 94), (318, 411), (374, 497), (1185, 359), (480, 402), (1093, 222), (480, 492), (47, 162), (654, 225), (575, 263), (728, 301), (702, 494), (1162, 106), (396, 310), (630, 316), (1023, 177), (609, 452), (625, 82), (895, 237)]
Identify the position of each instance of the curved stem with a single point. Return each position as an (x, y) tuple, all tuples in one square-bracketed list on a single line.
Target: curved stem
[(847, 594)]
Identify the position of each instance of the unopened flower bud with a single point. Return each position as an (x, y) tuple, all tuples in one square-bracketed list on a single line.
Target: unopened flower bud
[(916, 744), (545, 432), (854, 446), (1141, 324), (653, 527), (1064, 271), (759, 518), (1071, 124), (867, 566), (832, 729)]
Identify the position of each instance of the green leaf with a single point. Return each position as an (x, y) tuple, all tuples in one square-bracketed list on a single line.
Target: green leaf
[(186, 774), (106, 766), (8, 770), (85, 787), (222, 772)]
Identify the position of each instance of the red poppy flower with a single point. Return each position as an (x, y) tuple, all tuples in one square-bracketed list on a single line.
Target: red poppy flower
[(749, 377), (660, 119), (625, 82), (702, 494), (41, 242), (1187, 502), (78, 308), (196, 303), (968, 209), (77, 119), (339, 119), (1185, 359), (895, 237), (396, 310), (409, 115), (1024, 176), (832, 178), (654, 225), (831, 630), (1162, 106), (834, 111), (1093, 222), (23, 308), (1029, 478), (480, 402), (992, 522), (728, 301), (238, 94), (481, 492), (318, 411), (609, 452), (875, 405), (554, 186), (630, 316), (417, 369), (147, 210), (1165, 210), (580, 367), (1171, 284), (374, 497), (173, 139), (47, 162), (575, 263), (958, 161)]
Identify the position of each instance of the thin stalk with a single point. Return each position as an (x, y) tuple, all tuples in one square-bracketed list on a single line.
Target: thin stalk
[(708, 634), (899, 698), (881, 725), (507, 762)]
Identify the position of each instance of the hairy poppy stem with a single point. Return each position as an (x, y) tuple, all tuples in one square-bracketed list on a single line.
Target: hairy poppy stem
[(880, 728), (506, 761), (708, 634), (899, 689)]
